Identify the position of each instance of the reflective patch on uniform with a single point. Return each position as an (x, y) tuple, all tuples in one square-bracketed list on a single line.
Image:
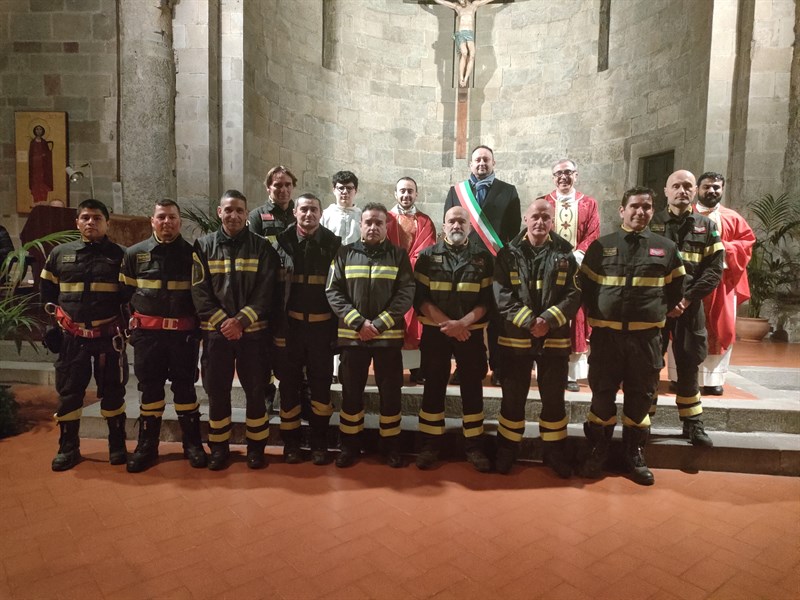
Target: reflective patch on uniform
[(700, 229), (437, 258), (658, 227), (656, 252), (198, 272), (69, 258), (610, 251), (267, 217), (142, 257)]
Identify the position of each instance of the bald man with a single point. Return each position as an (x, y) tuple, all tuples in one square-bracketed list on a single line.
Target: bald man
[(685, 332), (536, 297), (453, 298)]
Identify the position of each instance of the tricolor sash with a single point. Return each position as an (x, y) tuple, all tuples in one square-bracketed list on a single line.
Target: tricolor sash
[(480, 224)]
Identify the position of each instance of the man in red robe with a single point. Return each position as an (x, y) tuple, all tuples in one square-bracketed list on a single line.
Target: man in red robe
[(412, 231), (720, 305), (40, 166), (577, 221)]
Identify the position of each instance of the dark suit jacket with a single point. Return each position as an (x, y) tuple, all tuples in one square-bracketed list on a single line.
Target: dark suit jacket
[(501, 208)]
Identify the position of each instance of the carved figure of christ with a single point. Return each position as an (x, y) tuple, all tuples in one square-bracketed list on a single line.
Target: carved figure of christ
[(465, 34)]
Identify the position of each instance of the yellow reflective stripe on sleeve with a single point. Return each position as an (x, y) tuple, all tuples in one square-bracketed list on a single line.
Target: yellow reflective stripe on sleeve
[(521, 316), (257, 326), (350, 317), (384, 272), (386, 318), (561, 279), (441, 286), (692, 257), (468, 287), (539, 284), (423, 279), (219, 424), (127, 280), (678, 272), (557, 343), (486, 282), (716, 247), (248, 312), (206, 326), (513, 342), (70, 416), (217, 318), (71, 287), (47, 275), (557, 315), (513, 277)]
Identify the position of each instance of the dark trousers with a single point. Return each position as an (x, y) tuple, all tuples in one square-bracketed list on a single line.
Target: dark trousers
[(354, 369), (631, 360), (690, 348), (309, 346), (551, 373), (162, 355), (246, 357), (437, 349), (78, 359)]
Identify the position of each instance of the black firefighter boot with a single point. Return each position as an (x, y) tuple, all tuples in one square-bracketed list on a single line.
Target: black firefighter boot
[(473, 448), (429, 453), (319, 440), (391, 451), (556, 456), (220, 453), (256, 459), (633, 442), (117, 451), (146, 453), (192, 444), (69, 453), (506, 455), (599, 438), (350, 450), (292, 453)]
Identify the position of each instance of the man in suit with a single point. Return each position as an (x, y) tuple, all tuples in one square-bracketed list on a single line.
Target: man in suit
[(495, 216)]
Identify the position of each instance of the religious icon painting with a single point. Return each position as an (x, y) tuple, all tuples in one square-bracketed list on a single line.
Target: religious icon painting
[(41, 158)]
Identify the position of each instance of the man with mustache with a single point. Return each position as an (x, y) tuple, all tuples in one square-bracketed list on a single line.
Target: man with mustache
[(720, 305), (453, 298), (629, 280), (536, 296), (577, 221)]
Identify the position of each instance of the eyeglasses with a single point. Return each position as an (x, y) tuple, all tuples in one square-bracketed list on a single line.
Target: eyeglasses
[(348, 189), (565, 173)]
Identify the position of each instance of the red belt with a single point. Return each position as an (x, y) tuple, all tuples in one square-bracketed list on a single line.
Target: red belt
[(140, 321), (73, 328)]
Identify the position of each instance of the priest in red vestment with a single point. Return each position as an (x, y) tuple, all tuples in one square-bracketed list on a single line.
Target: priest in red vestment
[(411, 230), (720, 305), (577, 221)]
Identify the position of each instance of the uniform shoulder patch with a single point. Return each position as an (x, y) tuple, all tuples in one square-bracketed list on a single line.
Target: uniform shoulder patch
[(563, 264), (142, 257), (267, 217), (658, 227), (610, 251), (700, 229), (69, 258), (437, 258), (479, 261), (657, 252)]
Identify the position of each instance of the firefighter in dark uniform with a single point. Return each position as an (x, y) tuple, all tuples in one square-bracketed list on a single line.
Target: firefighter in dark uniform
[(370, 288), (629, 279), (80, 287), (537, 296), (703, 257), (156, 275), (268, 221), (453, 298), (233, 288), (306, 251)]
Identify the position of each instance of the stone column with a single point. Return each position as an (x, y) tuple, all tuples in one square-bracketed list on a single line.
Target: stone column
[(147, 82), (331, 53)]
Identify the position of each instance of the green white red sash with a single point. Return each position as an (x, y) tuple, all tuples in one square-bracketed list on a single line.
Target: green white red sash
[(480, 224)]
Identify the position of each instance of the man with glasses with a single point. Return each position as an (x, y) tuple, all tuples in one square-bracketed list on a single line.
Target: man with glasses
[(577, 221), (343, 217)]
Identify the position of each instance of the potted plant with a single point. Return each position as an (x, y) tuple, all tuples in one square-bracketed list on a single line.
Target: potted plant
[(18, 315), (774, 270)]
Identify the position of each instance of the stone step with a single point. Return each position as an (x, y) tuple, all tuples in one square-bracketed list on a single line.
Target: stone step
[(26, 353)]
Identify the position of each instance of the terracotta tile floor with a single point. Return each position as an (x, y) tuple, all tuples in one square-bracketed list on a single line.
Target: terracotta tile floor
[(299, 531)]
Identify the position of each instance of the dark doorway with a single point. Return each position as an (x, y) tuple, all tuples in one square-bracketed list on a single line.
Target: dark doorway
[(653, 173)]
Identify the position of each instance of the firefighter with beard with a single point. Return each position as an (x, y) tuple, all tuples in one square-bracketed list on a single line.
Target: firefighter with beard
[(80, 288), (156, 275), (536, 297)]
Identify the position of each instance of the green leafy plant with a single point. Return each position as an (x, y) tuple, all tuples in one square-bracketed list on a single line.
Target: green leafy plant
[(204, 221), (774, 270), (9, 407)]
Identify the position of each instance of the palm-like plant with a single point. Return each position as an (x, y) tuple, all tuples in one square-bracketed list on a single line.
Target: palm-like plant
[(774, 269), (206, 222)]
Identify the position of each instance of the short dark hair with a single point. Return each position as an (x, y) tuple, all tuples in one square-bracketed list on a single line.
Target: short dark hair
[(375, 206), (342, 177), (236, 194), (308, 196), (169, 202), (94, 205), (711, 175), (276, 171), (411, 179), (563, 160), (476, 148), (639, 190)]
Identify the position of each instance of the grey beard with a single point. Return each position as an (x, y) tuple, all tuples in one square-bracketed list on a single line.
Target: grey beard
[(457, 237)]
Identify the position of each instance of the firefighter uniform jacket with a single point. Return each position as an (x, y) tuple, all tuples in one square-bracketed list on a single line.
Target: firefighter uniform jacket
[(83, 279), (234, 277), (269, 220), (371, 283), (630, 280), (701, 249), (305, 264), (456, 279), (157, 278), (536, 282)]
